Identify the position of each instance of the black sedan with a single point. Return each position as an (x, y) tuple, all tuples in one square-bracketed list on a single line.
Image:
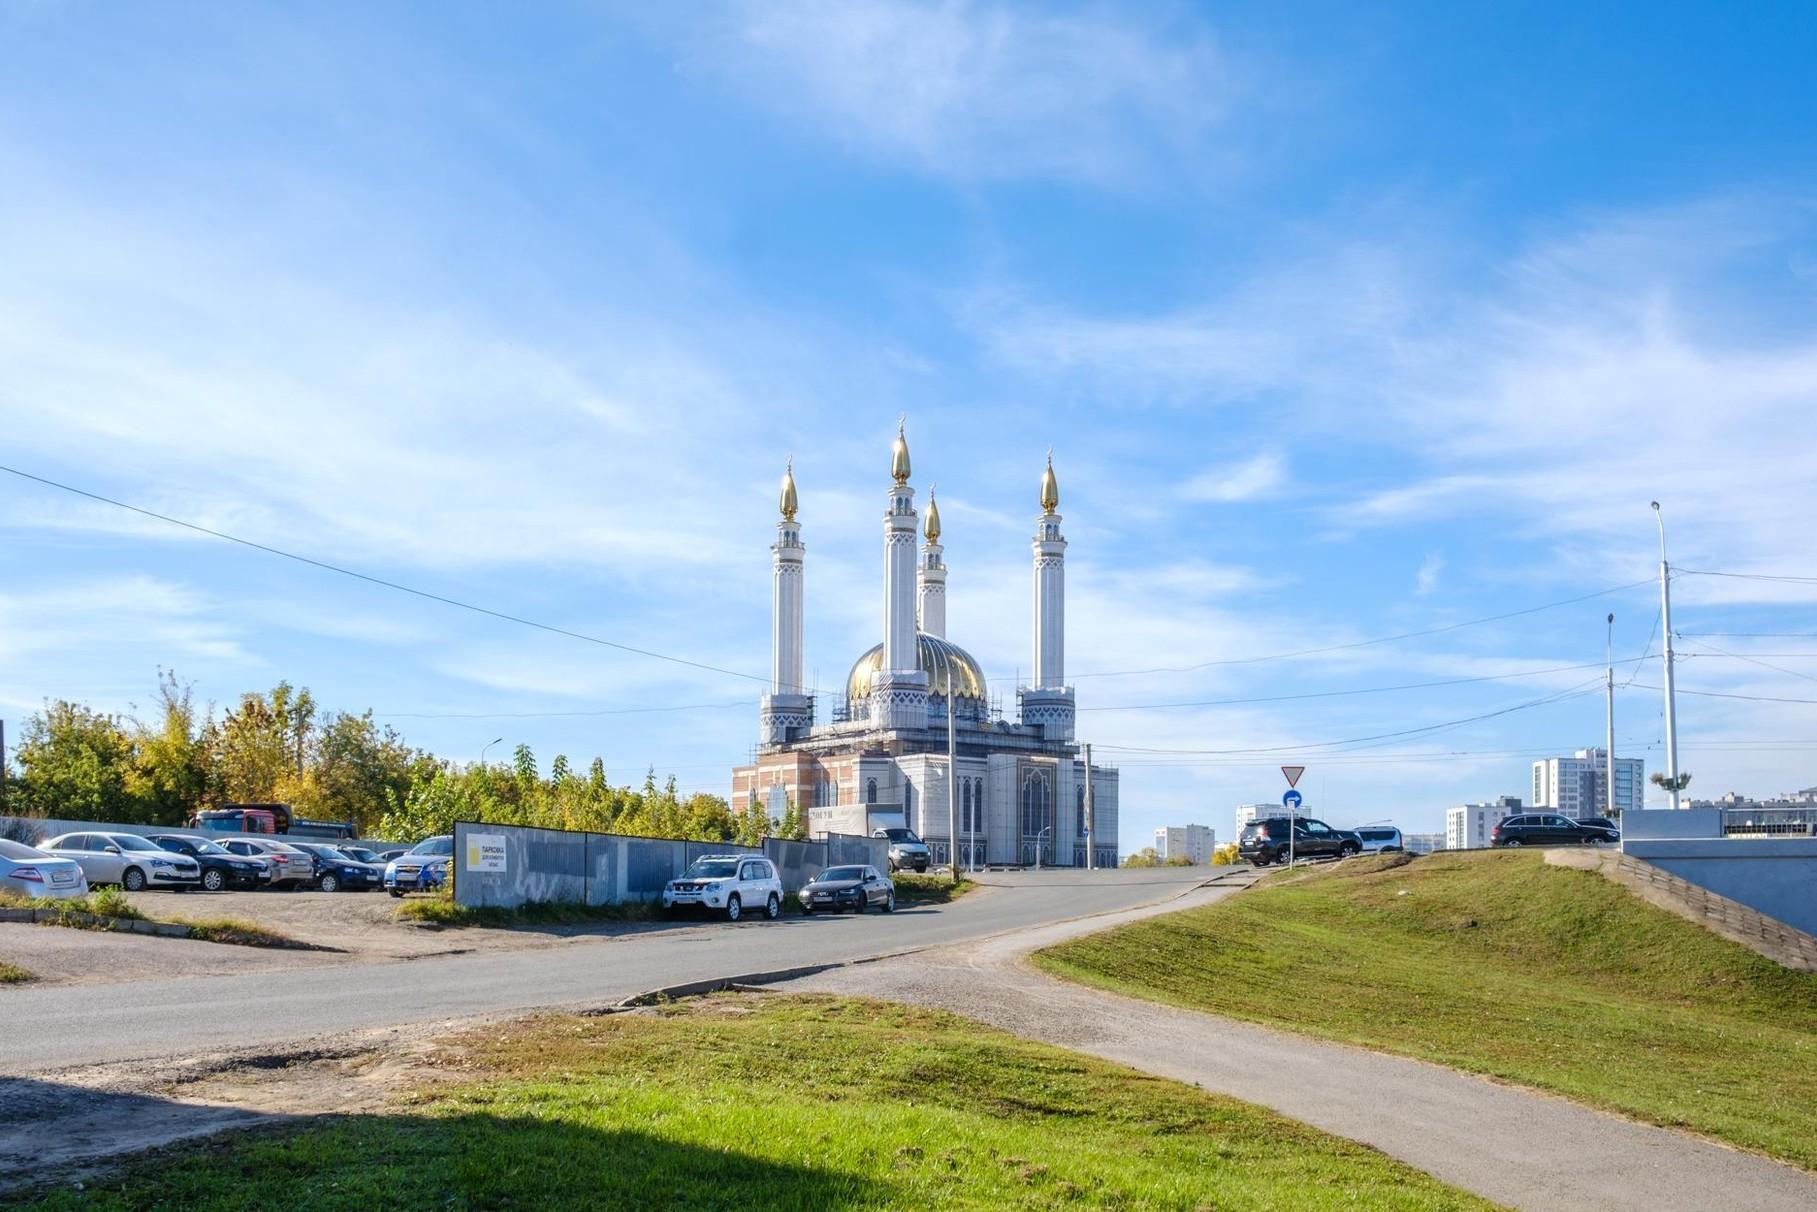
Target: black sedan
[(337, 872), (220, 868), (852, 889), (1549, 829)]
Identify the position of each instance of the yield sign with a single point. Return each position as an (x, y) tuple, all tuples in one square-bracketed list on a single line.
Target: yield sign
[(1293, 774)]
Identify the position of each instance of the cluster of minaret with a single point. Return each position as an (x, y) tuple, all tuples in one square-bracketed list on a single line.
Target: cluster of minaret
[(914, 599)]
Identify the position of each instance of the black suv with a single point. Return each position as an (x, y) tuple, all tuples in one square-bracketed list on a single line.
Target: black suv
[(1265, 841), (1549, 829)]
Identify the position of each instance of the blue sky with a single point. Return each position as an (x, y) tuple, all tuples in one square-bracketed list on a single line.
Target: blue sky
[(1342, 320)]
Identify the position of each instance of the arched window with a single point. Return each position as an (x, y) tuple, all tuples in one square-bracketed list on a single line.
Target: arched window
[(1081, 810), (870, 791), (965, 805), (1037, 804)]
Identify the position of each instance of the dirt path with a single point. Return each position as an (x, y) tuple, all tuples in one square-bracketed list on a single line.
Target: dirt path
[(1449, 1124)]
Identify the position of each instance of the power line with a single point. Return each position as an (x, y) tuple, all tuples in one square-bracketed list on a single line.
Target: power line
[(1558, 697), (1751, 635), (380, 581), (1330, 694), (1753, 661), (1750, 698), (1386, 639), (1746, 576)]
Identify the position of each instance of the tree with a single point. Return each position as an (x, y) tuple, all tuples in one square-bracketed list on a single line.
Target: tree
[(357, 767), (77, 764), (170, 774), (794, 823), (1144, 857), (251, 750)]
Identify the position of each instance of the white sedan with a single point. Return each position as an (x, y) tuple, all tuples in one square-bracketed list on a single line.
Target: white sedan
[(125, 859), (36, 874), (729, 884)]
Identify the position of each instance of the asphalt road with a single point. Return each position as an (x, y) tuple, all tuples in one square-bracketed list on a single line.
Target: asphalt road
[(57, 1027)]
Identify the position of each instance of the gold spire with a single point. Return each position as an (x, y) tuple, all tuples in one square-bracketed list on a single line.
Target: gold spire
[(1050, 487), (932, 527), (899, 460), (789, 503)]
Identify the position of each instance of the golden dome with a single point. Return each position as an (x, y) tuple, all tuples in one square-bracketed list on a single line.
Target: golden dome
[(1050, 487), (899, 460), (932, 527), (946, 664), (789, 504)]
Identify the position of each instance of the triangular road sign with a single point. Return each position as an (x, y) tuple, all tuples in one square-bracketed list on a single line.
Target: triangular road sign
[(1293, 774)]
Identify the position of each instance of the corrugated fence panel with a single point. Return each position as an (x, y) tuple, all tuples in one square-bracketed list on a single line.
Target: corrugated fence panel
[(796, 862)]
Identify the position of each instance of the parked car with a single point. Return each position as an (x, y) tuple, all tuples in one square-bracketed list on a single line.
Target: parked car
[(906, 849), (360, 854), (1549, 829), (32, 872), (1600, 822), (856, 889), (220, 868), (423, 866), (290, 867), (1265, 841), (126, 859), (1379, 839), (726, 883), (339, 872)]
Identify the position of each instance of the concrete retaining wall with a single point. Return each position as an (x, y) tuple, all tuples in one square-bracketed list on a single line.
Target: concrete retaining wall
[(511, 865), (1776, 876)]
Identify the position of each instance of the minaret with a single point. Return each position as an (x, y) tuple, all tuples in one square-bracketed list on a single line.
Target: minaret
[(933, 573), (787, 710), (899, 688), (1048, 700)]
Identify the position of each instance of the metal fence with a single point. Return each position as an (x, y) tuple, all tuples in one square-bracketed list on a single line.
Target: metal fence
[(511, 865)]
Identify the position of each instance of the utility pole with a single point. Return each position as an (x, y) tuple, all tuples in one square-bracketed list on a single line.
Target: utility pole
[(1609, 650), (1091, 824), (1665, 610), (952, 781)]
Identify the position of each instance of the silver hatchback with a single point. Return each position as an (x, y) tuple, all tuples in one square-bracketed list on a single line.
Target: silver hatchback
[(126, 859)]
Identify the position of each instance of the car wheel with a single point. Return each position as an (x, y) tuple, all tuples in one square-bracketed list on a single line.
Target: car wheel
[(772, 908), (807, 910), (396, 893), (1349, 851), (889, 902), (329, 883), (734, 908), (213, 880), (133, 880), (1513, 841)]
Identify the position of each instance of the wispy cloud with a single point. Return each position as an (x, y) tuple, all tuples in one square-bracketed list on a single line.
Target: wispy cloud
[(1252, 479), (1426, 579), (979, 91)]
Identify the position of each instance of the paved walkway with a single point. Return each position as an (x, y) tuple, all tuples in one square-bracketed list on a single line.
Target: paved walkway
[(1520, 1148)]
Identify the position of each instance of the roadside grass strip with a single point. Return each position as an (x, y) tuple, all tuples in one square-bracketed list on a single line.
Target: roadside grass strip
[(912, 889), (439, 909), (1503, 965), (771, 1102), (13, 974), (108, 909)]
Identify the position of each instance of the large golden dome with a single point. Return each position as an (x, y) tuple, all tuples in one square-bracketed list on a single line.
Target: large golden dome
[(949, 668)]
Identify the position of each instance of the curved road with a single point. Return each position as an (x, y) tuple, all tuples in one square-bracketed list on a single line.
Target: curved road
[(58, 1027)]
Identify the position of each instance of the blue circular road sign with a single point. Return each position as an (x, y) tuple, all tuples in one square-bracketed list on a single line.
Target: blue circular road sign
[(1292, 799)]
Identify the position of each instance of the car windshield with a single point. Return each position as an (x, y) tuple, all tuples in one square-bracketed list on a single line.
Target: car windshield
[(203, 846), (132, 841), (14, 850), (839, 873), (712, 869), (434, 845), (901, 835)]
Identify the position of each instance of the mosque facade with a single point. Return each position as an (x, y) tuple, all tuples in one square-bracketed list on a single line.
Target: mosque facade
[(917, 724)]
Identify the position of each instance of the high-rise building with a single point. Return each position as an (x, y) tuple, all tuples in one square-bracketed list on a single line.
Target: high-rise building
[(1467, 827), (1578, 786), (1194, 843), (1250, 812)]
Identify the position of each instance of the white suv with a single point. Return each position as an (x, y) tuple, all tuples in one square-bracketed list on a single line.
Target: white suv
[(730, 883)]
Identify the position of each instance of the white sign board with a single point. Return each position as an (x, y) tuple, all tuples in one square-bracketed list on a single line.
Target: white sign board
[(485, 852)]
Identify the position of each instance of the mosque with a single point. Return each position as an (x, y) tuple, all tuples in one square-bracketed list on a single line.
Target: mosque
[(917, 712)]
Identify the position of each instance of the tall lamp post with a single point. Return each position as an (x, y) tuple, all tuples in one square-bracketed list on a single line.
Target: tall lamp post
[(489, 744), (1609, 756), (1672, 782)]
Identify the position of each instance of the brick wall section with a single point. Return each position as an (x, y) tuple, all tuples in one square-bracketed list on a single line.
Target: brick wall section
[(1756, 931)]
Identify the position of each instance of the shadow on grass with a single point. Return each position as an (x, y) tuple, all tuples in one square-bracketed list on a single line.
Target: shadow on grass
[(464, 1161)]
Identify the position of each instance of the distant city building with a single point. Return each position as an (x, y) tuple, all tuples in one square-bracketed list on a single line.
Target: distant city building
[(1577, 786), (1467, 826), (1194, 843), (1423, 843), (1249, 812)]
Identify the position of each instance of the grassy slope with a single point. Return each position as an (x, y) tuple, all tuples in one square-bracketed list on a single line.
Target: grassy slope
[(111, 904), (780, 1103), (1499, 964)]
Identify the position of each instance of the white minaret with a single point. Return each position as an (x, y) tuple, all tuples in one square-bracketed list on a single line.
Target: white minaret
[(1048, 701), (933, 573), (787, 709), (899, 688)]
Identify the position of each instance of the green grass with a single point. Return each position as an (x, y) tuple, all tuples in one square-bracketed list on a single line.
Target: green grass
[(780, 1103), (103, 902), (1499, 964), (237, 931), (13, 974), (438, 908), (912, 889), (111, 904)]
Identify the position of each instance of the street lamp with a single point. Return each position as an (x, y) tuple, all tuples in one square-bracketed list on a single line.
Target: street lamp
[(489, 744), (1672, 783)]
